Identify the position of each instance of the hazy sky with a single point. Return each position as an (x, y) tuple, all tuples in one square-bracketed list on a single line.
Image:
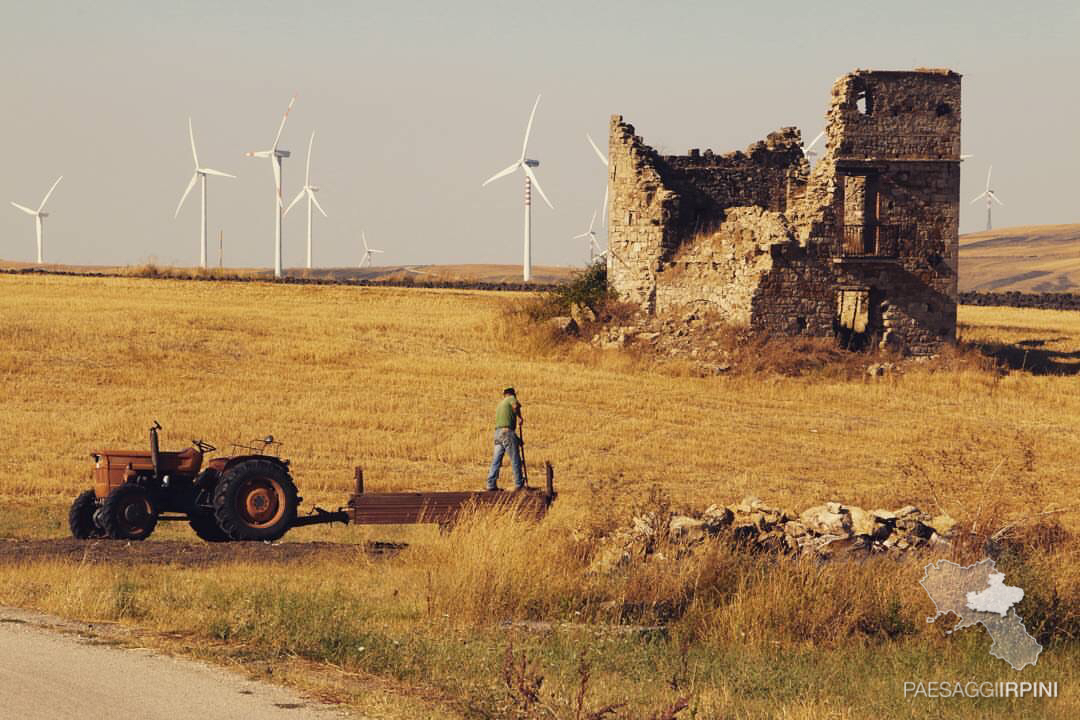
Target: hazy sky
[(416, 103)]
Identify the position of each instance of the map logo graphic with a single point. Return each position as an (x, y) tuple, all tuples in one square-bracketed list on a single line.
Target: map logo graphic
[(977, 594)]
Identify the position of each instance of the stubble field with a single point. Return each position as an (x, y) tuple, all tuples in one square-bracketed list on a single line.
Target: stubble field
[(404, 382)]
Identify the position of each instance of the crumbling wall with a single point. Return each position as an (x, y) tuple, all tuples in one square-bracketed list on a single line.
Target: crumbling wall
[(658, 202), (763, 240), (720, 270)]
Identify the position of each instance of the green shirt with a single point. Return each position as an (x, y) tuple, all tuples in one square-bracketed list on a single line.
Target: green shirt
[(506, 413)]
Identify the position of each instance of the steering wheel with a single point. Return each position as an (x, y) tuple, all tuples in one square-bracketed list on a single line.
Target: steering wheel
[(204, 447)]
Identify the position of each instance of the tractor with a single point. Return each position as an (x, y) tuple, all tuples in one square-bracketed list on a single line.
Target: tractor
[(248, 496)]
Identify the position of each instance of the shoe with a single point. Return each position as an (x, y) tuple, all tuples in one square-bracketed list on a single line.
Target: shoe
[(494, 489)]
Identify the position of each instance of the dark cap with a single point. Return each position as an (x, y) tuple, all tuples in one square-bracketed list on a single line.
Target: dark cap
[(509, 391)]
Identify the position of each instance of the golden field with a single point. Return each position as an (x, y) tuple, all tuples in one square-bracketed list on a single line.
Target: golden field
[(1027, 258), (404, 382)]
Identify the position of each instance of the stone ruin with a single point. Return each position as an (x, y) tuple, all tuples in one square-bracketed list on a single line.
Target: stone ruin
[(863, 246), (824, 532)]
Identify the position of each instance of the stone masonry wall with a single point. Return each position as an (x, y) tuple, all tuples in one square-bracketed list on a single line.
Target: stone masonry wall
[(723, 269), (763, 240), (657, 202)]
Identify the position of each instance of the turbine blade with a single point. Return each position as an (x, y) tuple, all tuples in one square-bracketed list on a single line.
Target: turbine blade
[(208, 171), (988, 173), (814, 142), (316, 201), (363, 236), (376, 251), (582, 235), (978, 197), (194, 179), (25, 209), (502, 173), (603, 218), (307, 171), (49, 194), (528, 128), (258, 153), (532, 176), (282, 126), (295, 200), (995, 199), (602, 156), (191, 135), (593, 221)]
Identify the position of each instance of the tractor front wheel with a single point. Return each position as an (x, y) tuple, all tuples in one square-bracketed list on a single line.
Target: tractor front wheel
[(81, 517), (255, 500), (128, 513)]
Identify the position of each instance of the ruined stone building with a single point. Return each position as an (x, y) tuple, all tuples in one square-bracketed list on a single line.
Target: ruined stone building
[(863, 246)]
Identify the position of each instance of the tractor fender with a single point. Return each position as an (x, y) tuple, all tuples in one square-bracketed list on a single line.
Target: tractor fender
[(243, 458)]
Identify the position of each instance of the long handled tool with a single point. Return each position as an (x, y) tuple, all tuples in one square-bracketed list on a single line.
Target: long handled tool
[(521, 454)]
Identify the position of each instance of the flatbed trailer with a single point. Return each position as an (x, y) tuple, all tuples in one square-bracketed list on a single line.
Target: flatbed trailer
[(442, 508)]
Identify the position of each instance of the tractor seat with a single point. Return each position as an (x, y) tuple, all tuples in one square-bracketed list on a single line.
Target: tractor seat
[(185, 462)]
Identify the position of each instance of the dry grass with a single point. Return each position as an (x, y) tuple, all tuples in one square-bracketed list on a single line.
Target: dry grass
[(403, 382)]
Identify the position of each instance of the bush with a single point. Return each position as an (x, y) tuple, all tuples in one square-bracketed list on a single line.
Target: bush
[(588, 287)]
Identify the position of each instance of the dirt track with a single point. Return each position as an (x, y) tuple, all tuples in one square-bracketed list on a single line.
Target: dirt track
[(175, 552), (53, 669)]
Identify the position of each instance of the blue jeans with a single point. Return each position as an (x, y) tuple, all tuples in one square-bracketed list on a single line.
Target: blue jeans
[(505, 442)]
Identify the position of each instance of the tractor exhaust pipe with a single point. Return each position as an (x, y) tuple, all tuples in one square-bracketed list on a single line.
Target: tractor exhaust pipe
[(155, 450)]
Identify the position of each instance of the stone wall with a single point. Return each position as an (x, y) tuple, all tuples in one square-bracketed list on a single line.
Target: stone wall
[(765, 241)]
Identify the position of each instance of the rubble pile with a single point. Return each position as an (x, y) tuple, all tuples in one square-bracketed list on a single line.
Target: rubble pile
[(825, 532)]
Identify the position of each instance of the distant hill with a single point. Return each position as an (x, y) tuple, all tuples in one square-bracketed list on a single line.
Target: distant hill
[(464, 273), (1029, 259)]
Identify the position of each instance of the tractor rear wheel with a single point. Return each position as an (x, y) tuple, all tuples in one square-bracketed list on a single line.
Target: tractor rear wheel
[(205, 526), (128, 513), (81, 517), (255, 500)]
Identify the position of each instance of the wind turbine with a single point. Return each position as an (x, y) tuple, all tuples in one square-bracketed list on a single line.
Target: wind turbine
[(603, 159), (595, 253), (200, 174), (991, 197), (368, 251), (39, 218), (526, 166), (276, 156), (310, 191), (809, 152)]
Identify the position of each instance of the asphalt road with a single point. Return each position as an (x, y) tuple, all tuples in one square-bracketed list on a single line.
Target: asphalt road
[(51, 675)]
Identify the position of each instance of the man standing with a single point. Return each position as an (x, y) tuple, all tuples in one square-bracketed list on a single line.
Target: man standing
[(507, 419)]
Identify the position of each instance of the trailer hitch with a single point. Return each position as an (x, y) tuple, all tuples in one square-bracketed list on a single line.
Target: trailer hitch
[(318, 516)]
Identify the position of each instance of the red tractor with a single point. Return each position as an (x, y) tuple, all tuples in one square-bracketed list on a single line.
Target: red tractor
[(249, 496)]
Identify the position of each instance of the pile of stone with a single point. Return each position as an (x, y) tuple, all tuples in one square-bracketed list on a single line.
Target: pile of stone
[(825, 532)]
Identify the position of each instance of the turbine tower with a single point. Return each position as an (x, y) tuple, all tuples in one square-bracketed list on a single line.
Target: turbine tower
[(526, 166), (603, 159), (39, 219), (991, 198), (368, 252), (200, 174), (276, 156), (595, 253), (309, 190)]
